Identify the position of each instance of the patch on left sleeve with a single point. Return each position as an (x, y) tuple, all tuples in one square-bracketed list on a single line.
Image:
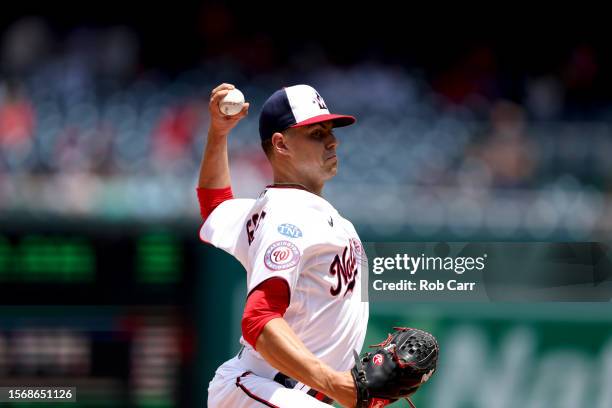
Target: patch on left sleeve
[(281, 255)]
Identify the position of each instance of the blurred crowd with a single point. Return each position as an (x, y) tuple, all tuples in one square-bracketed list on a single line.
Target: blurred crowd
[(85, 130)]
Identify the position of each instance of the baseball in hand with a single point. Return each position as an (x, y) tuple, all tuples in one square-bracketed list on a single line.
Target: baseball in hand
[(232, 103)]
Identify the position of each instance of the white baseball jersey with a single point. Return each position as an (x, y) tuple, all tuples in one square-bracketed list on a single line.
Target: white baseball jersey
[(298, 236)]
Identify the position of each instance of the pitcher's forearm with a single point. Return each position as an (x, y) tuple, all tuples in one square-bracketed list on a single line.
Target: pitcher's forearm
[(214, 169), (279, 345)]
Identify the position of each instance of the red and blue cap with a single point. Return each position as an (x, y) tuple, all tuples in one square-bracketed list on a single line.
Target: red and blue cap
[(296, 106)]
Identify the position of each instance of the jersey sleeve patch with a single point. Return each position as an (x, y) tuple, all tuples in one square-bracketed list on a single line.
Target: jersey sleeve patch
[(281, 255), (289, 230)]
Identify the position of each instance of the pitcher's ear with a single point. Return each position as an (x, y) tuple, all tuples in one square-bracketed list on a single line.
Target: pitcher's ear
[(279, 143)]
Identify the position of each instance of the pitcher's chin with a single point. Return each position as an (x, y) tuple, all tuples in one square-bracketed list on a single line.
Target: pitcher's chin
[(331, 171)]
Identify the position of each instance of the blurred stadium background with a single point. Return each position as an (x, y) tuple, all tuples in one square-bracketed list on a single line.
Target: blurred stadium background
[(460, 136)]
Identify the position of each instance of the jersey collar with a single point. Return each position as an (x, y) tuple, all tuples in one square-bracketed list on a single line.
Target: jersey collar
[(288, 185), (298, 189)]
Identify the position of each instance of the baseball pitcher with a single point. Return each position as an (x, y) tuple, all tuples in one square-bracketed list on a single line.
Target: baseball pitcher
[(304, 317)]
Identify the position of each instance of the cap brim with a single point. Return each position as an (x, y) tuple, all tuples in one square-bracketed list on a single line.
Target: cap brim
[(338, 120)]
